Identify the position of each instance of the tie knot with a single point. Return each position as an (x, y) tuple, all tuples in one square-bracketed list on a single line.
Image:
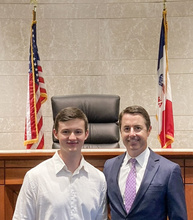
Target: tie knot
[(133, 161)]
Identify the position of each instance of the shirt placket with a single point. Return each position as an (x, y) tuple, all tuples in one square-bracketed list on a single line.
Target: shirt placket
[(73, 200)]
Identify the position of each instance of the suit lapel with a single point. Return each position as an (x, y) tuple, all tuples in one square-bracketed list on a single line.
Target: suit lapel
[(150, 171), (114, 184)]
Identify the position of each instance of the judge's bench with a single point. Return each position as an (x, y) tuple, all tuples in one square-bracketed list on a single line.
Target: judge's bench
[(14, 165)]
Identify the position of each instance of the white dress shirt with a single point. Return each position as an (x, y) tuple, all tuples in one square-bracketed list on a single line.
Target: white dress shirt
[(141, 164), (51, 192)]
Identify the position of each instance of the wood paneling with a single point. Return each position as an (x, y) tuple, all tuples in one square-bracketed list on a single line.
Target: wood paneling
[(1, 163), (14, 176), (2, 176), (2, 172), (189, 200), (189, 162), (189, 175), (2, 204), (22, 163)]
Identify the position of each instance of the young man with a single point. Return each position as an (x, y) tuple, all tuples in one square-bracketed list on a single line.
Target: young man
[(150, 187), (65, 186)]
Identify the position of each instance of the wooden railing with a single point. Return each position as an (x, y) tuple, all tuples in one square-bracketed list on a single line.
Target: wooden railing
[(14, 165)]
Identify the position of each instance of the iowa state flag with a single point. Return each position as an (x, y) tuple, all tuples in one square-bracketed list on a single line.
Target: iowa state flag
[(36, 96), (165, 111)]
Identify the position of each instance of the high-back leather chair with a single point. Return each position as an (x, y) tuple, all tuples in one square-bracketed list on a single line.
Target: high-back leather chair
[(102, 112)]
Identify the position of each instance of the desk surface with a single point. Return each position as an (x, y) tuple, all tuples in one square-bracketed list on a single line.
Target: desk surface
[(90, 152)]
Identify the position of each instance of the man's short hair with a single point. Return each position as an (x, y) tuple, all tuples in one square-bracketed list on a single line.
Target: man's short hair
[(69, 113), (135, 110)]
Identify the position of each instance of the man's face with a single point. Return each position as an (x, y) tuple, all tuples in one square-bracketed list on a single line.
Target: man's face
[(71, 135), (134, 133)]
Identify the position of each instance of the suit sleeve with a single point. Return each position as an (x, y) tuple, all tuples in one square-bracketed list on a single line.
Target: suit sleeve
[(105, 169), (175, 196)]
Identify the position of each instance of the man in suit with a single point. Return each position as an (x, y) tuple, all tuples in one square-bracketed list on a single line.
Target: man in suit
[(157, 182)]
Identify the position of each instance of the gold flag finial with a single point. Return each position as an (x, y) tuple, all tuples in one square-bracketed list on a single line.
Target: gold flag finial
[(34, 2), (164, 3)]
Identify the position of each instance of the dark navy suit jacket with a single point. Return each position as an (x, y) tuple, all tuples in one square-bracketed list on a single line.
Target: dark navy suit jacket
[(161, 192)]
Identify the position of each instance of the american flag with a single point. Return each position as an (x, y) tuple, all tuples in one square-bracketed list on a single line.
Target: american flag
[(36, 96), (165, 111)]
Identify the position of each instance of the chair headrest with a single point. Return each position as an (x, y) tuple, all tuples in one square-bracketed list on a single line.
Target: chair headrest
[(98, 108)]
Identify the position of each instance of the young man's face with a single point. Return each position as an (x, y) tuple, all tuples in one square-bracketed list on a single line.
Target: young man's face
[(71, 135), (134, 133)]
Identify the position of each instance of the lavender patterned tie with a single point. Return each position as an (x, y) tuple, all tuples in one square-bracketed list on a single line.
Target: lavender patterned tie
[(130, 188)]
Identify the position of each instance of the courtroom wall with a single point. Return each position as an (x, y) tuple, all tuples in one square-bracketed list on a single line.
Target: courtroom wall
[(95, 46)]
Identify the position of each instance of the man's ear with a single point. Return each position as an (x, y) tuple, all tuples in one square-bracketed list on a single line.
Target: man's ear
[(149, 130), (55, 134), (86, 134)]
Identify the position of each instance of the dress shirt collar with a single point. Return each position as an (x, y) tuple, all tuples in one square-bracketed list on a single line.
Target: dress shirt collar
[(140, 158), (60, 165)]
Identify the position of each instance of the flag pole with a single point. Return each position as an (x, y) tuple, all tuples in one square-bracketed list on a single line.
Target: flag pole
[(165, 111), (166, 36), (36, 96)]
